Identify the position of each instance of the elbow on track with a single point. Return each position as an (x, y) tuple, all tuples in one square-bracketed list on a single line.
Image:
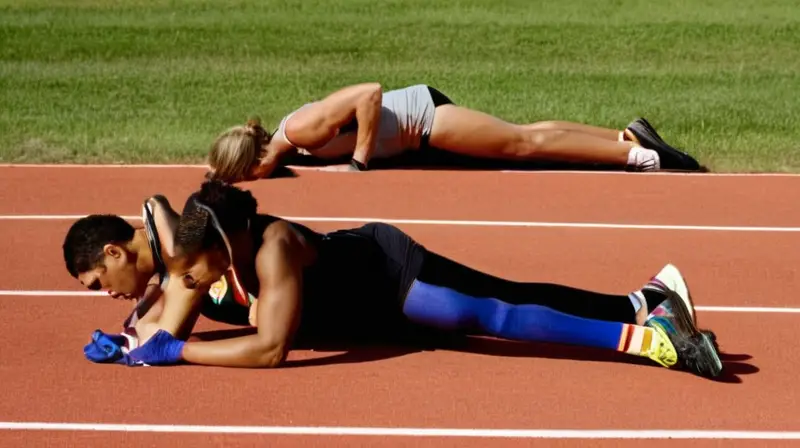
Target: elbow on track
[(269, 356)]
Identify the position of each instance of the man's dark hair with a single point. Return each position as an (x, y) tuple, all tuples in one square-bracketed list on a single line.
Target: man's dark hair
[(232, 206), (83, 245)]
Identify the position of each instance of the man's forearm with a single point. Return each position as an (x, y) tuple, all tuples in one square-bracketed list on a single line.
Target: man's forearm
[(151, 304), (244, 351), (179, 311)]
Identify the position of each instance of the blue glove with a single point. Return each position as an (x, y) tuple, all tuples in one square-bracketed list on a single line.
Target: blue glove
[(162, 349), (107, 348)]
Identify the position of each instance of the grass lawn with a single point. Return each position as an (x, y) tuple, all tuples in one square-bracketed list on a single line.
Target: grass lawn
[(154, 81)]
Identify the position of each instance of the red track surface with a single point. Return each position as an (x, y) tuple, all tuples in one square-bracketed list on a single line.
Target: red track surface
[(493, 384)]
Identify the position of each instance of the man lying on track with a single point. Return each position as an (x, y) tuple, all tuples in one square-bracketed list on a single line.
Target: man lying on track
[(362, 123), (105, 252), (375, 281)]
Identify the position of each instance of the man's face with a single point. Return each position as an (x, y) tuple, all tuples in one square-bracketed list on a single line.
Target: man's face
[(200, 271), (116, 274)]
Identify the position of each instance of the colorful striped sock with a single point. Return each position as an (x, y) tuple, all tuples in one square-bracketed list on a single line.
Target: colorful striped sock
[(637, 340)]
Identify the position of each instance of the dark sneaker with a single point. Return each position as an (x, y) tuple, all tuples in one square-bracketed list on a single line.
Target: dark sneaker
[(697, 350), (640, 131)]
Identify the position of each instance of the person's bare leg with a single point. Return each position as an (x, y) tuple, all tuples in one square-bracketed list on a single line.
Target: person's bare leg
[(477, 134), (604, 133)]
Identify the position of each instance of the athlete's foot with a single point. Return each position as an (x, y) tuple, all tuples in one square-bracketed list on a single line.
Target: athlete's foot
[(642, 160), (641, 132), (668, 279), (680, 344), (671, 279), (642, 314)]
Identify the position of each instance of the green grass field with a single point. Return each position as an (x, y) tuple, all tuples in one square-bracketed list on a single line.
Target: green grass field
[(155, 81)]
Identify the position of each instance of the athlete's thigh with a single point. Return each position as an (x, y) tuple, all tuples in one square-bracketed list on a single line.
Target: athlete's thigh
[(474, 133)]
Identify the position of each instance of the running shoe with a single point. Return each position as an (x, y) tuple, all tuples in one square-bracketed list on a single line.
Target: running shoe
[(640, 131), (696, 349)]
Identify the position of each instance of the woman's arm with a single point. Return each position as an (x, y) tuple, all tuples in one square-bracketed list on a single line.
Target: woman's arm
[(279, 264), (313, 126)]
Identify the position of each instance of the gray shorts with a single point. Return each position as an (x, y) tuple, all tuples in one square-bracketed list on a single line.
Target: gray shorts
[(406, 120)]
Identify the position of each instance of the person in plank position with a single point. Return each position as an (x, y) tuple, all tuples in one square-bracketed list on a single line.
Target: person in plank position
[(375, 281), (362, 123)]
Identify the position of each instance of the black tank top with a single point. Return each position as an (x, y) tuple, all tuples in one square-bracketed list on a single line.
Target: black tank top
[(348, 265), (346, 290)]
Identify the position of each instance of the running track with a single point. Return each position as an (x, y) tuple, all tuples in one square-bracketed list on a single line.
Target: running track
[(739, 250)]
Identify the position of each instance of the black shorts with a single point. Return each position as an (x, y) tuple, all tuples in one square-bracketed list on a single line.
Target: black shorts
[(356, 289), (402, 257), (439, 98), (402, 261)]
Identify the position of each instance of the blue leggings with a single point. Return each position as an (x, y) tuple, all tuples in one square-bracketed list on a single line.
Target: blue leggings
[(445, 308)]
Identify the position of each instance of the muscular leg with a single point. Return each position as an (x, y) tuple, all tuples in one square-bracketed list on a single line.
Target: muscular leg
[(477, 134), (446, 309), (604, 133), (447, 295), (441, 271)]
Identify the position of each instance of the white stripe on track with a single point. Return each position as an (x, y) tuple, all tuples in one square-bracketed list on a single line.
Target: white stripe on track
[(450, 222), (707, 308), (409, 432), (323, 168)]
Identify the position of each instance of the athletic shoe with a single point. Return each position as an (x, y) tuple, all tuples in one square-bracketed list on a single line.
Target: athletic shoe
[(696, 350), (643, 160), (661, 349), (670, 278), (641, 132)]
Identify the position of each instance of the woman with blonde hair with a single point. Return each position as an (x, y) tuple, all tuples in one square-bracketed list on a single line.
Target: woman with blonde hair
[(361, 123)]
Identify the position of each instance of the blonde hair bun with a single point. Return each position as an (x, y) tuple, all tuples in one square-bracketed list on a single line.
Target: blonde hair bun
[(254, 122)]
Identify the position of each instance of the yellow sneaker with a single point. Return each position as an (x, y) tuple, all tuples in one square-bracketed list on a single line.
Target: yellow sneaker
[(661, 349)]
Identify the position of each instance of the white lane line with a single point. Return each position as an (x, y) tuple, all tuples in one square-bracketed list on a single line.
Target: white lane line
[(323, 168), (410, 432), (136, 166), (26, 293), (450, 222), (708, 308), (657, 173), (747, 309)]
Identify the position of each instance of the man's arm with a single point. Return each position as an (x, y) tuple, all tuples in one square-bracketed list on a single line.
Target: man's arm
[(148, 307), (178, 307), (179, 312), (313, 126), (279, 265)]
